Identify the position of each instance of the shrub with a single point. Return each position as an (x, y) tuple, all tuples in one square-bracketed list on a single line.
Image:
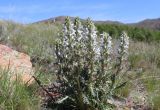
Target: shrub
[(87, 74)]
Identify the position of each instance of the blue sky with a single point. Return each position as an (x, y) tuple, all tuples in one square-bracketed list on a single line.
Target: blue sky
[(27, 11)]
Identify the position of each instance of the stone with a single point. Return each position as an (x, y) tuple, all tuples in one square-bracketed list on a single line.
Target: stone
[(17, 63)]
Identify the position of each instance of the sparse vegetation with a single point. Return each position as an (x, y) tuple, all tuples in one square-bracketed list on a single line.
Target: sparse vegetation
[(38, 40)]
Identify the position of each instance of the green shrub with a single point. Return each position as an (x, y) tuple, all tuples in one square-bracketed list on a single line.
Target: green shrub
[(136, 33)]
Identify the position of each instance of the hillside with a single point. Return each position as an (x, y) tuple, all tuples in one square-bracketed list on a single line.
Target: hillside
[(146, 30), (149, 23), (153, 24), (59, 19)]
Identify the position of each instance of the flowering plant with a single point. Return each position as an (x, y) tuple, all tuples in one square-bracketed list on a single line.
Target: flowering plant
[(87, 73)]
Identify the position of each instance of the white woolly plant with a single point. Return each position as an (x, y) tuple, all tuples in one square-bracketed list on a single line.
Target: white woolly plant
[(86, 73), (122, 51)]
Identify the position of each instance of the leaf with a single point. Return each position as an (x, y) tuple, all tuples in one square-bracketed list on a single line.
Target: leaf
[(61, 100), (113, 78), (65, 79), (121, 85)]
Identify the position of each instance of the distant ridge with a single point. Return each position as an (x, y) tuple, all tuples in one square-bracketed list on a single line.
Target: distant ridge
[(149, 23), (153, 24), (61, 19)]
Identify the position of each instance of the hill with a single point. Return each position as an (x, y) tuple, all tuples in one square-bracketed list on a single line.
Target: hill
[(153, 24), (144, 30), (149, 24), (59, 19)]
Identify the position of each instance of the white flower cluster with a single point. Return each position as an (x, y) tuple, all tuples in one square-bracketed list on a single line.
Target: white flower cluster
[(106, 46), (68, 32), (77, 34), (79, 31), (124, 45), (106, 52), (68, 35), (94, 40), (82, 43)]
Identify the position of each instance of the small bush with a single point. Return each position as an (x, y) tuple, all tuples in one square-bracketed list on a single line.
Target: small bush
[(88, 75)]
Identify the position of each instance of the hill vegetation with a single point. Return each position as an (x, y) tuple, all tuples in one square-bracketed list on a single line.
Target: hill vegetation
[(147, 30), (136, 33)]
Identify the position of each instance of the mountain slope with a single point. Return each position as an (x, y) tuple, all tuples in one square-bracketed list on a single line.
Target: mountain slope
[(149, 24), (61, 19), (153, 24)]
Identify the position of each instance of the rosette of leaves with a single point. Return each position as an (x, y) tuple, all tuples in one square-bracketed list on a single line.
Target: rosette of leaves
[(86, 71)]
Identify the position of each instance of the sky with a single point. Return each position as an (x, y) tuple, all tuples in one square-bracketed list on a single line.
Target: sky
[(126, 11)]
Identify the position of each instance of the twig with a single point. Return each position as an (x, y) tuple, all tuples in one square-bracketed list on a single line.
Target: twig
[(39, 83)]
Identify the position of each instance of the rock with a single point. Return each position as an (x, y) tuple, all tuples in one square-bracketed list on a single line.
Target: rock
[(16, 63)]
